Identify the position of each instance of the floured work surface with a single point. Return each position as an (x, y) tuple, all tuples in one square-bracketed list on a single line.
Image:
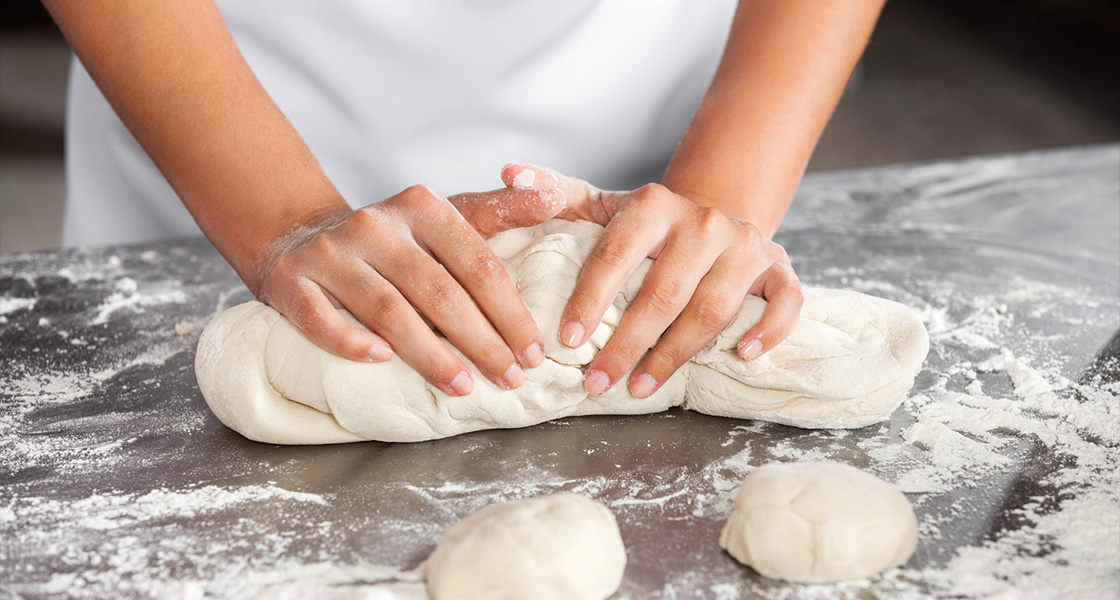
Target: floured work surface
[(115, 480)]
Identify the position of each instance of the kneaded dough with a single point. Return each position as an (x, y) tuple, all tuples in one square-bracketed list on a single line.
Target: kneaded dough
[(819, 522), (562, 546), (849, 362)]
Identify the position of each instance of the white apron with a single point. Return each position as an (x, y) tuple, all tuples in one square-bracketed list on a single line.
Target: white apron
[(439, 92)]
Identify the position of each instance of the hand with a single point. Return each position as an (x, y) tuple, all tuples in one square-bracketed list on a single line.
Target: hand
[(411, 256), (705, 265)]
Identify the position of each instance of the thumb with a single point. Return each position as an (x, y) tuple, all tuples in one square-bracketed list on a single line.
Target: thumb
[(531, 197), (493, 212), (581, 200)]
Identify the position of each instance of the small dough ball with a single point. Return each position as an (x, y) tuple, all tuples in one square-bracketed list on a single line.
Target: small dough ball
[(562, 546), (819, 522)]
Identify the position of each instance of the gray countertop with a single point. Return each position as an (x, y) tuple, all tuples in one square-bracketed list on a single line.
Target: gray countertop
[(116, 481)]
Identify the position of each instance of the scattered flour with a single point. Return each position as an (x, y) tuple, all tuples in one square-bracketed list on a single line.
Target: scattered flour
[(1011, 458), (183, 329), (11, 305), (127, 295)]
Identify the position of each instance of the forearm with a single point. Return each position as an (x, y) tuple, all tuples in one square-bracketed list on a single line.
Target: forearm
[(173, 74), (784, 68)]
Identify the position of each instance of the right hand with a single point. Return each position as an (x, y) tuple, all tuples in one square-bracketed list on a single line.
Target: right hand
[(416, 255)]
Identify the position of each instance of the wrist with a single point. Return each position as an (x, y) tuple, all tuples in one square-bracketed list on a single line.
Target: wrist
[(261, 244), (251, 228), (739, 204)]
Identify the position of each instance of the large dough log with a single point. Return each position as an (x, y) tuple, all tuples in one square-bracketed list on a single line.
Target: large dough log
[(849, 363)]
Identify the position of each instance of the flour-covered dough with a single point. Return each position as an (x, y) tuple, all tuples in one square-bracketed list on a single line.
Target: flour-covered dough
[(558, 547), (849, 363), (819, 522)]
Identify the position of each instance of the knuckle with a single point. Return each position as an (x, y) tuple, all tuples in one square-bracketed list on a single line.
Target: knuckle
[(419, 192), (421, 198), (611, 252), (655, 190), (363, 220), (441, 298), (785, 275), (714, 313), (302, 310), (651, 193), (752, 237), (711, 221), (390, 313), (625, 349), (782, 258), (486, 267), (323, 246), (667, 297), (796, 294), (663, 361)]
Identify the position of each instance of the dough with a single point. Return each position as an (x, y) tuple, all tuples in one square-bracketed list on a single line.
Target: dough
[(562, 547), (819, 522), (849, 363)]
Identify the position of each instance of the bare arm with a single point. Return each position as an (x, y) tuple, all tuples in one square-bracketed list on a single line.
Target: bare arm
[(172, 72), (784, 68), (729, 184)]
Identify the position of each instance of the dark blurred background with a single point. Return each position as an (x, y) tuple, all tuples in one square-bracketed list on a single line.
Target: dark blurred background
[(940, 79)]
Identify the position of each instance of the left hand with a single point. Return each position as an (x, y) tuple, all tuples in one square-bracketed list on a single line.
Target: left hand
[(705, 264)]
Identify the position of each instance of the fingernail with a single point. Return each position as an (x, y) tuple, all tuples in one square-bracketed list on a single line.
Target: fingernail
[(462, 384), (596, 382), (514, 377), (380, 353), (643, 385), (571, 334), (532, 356), (750, 350)]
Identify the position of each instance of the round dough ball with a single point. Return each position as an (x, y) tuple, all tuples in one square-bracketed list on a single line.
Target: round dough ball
[(819, 522), (561, 546)]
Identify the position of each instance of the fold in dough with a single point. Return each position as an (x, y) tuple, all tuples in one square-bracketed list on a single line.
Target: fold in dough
[(849, 363)]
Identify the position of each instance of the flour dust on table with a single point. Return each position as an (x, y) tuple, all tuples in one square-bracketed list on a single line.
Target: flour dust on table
[(849, 362), (116, 481)]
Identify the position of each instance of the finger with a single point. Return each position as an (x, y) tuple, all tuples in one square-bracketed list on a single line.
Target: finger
[(310, 308), (446, 291), (496, 211), (434, 292), (497, 333), (717, 300), (781, 289), (380, 306), (665, 292), (627, 240), (444, 234), (582, 201), (522, 176)]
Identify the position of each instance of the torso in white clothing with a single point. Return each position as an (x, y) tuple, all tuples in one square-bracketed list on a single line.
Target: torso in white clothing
[(439, 92)]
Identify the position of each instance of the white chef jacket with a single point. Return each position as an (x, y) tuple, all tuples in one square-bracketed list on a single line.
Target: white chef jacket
[(440, 92)]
